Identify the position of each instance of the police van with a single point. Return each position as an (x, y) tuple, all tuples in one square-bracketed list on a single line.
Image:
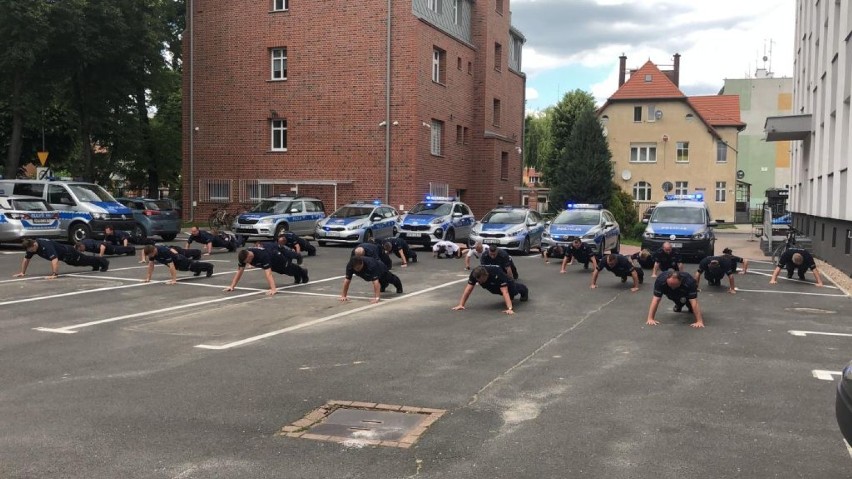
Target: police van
[(27, 217), (591, 223), (276, 214), (84, 208), (437, 218), (685, 222)]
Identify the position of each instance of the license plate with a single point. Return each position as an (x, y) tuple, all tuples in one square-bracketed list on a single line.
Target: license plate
[(677, 245), (414, 235), (332, 234), (490, 241), (41, 221)]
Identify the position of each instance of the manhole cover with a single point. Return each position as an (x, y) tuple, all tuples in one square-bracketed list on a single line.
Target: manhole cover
[(811, 310), (364, 424)]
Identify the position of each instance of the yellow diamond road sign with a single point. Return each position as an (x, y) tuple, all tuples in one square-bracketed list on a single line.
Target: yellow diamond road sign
[(42, 157)]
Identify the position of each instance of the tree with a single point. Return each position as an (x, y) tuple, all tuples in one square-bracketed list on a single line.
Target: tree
[(537, 139), (564, 116), (584, 171)]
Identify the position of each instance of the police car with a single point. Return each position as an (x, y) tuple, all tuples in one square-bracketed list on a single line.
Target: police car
[(594, 225), (28, 217), (436, 218), (358, 222), (510, 227), (685, 222), (277, 214)]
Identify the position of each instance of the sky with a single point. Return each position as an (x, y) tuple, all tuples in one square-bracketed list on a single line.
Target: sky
[(574, 44)]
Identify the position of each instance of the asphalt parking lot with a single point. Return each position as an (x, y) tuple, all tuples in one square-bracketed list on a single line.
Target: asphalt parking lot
[(105, 376)]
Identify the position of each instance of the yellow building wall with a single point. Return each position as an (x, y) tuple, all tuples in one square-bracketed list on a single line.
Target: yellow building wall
[(701, 171)]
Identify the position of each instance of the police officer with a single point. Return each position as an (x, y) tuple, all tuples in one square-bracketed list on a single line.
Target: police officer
[(299, 244), (679, 287), (373, 251), (209, 240), (501, 258), (289, 268), (556, 251), (666, 258), (579, 252), (728, 254), (373, 271), (102, 248), (644, 258), (622, 267), (269, 262), (494, 279), (400, 248), (476, 252), (448, 249), (56, 252), (796, 260), (175, 261), (280, 245), (714, 269)]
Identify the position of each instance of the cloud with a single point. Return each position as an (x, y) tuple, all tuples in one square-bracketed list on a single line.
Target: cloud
[(532, 94)]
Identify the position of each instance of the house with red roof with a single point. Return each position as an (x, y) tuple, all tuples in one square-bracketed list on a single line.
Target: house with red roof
[(665, 142)]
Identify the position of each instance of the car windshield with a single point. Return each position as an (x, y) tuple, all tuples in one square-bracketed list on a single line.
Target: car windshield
[(437, 209), (269, 206), (505, 217), (30, 205), (352, 212), (164, 205), (578, 217), (91, 193), (678, 214)]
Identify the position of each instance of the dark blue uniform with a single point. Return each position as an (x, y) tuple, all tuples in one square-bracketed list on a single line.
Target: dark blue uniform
[(222, 240), (583, 253), (555, 252), (117, 239), (51, 250), (715, 274), (399, 247), (733, 260), (374, 270), (166, 256), (497, 279), (376, 252), (271, 258), (688, 289), (786, 262), (94, 246), (623, 268), (293, 239), (647, 263), (190, 253), (501, 259), (667, 261)]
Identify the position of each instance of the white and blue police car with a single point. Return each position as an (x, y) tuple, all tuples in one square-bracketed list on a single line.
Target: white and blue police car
[(272, 216), (436, 218), (28, 217), (685, 222), (591, 223), (510, 227), (357, 223)]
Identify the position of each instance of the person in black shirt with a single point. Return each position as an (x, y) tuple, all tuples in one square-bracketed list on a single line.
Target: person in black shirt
[(280, 245), (644, 258), (666, 258), (679, 287), (209, 240), (400, 248), (373, 251), (494, 279), (579, 252), (175, 261), (103, 247), (56, 252), (269, 261), (556, 252), (370, 270), (622, 267), (301, 245), (123, 238), (733, 259), (500, 257), (714, 269), (796, 260)]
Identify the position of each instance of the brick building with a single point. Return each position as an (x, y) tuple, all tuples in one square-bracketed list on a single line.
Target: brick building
[(296, 96)]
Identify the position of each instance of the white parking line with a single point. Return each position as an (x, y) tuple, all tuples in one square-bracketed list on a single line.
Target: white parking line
[(824, 375), (73, 293), (769, 275), (772, 291), (815, 333), (322, 320)]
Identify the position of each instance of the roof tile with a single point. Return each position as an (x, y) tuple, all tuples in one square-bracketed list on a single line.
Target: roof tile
[(636, 87)]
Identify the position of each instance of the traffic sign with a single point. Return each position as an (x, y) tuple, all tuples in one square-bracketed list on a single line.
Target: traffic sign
[(42, 157)]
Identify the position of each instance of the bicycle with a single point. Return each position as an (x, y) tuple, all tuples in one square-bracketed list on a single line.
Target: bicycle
[(221, 218), (790, 242)]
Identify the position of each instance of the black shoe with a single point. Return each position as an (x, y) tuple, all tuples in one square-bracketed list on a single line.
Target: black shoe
[(312, 252), (678, 308), (210, 271), (305, 275), (586, 266), (399, 290), (95, 268), (197, 273), (624, 279), (525, 297), (298, 280), (105, 266), (299, 259), (789, 274), (413, 259), (802, 276)]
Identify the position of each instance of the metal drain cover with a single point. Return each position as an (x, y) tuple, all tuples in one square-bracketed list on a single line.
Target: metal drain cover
[(361, 424)]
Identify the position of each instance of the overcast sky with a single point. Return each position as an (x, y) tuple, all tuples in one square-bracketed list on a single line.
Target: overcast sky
[(576, 43)]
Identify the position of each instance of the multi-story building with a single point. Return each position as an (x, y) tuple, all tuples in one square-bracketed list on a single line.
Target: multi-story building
[(374, 99), (663, 142), (821, 129), (764, 165)]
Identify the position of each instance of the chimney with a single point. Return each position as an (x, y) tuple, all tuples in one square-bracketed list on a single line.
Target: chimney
[(676, 69), (622, 69)]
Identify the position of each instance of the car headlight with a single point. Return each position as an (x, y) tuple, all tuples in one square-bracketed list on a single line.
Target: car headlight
[(699, 236), (515, 231), (648, 234), (589, 236), (437, 221), (99, 216), (264, 221), (355, 226)]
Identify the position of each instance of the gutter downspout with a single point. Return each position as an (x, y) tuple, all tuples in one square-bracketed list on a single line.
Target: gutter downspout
[(387, 107), (191, 111)]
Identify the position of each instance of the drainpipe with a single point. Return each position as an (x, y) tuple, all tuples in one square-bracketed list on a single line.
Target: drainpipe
[(191, 111), (387, 107)]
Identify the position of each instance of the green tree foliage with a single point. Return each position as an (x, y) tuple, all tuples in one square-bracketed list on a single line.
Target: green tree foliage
[(537, 139), (622, 207), (584, 170), (561, 120)]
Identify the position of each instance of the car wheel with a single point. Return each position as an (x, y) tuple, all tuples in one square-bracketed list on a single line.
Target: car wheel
[(395, 232), (368, 236), (280, 229), (525, 249), (168, 236), (139, 231), (450, 235), (321, 243), (79, 232), (617, 248)]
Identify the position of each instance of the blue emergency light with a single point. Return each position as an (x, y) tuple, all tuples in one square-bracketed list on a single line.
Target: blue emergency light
[(583, 206), (693, 197), (377, 202), (440, 198)]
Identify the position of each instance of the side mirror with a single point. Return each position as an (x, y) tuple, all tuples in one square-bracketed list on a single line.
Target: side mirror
[(457, 215), (294, 210), (712, 224), (609, 225), (547, 223), (375, 218), (645, 220)]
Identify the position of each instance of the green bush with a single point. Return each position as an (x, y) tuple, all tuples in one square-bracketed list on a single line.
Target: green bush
[(621, 206)]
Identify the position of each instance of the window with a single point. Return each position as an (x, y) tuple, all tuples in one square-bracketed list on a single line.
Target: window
[(682, 155), (313, 206), (721, 191), (652, 113), (279, 135), (637, 113), (643, 153), (499, 6), (437, 133), (278, 5), (439, 65), (456, 7), (279, 63), (721, 152), (434, 5), (496, 115), (504, 166), (259, 191), (534, 180), (459, 63), (470, 68), (642, 191), (58, 195), (681, 187), (459, 138), (465, 135), (498, 56), (219, 190)]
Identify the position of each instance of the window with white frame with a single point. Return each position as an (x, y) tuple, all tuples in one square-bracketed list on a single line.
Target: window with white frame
[(438, 65), (534, 180), (258, 191), (642, 191), (279, 135), (721, 191), (721, 152), (219, 190), (456, 8), (643, 153), (279, 63), (279, 5), (436, 138), (434, 5), (682, 154), (681, 188)]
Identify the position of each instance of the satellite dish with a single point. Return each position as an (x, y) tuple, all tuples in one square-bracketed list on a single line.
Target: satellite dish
[(740, 174), (667, 186), (658, 114), (626, 175)]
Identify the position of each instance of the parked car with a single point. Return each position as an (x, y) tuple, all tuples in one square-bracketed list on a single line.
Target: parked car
[(843, 405), (153, 217), (28, 217), (591, 223), (685, 222), (437, 218), (511, 227), (358, 222), (276, 214)]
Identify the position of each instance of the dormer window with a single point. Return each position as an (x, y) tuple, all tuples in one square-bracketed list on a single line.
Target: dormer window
[(690, 117), (648, 78)]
